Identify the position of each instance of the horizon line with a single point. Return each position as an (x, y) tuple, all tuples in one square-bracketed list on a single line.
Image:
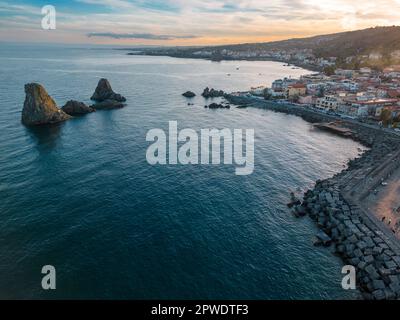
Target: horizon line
[(183, 45)]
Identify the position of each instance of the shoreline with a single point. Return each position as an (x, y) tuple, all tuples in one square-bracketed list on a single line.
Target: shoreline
[(336, 204), (383, 201), (307, 67)]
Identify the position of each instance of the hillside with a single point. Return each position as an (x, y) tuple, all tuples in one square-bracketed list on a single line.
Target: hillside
[(375, 47), (380, 39)]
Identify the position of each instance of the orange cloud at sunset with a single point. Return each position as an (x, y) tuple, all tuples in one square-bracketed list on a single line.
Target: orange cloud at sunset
[(191, 22)]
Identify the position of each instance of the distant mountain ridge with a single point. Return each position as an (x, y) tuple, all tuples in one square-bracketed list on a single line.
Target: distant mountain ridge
[(341, 45), (374, 47)]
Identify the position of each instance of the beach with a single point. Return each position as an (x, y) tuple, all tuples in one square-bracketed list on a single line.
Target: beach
[(385, 202)]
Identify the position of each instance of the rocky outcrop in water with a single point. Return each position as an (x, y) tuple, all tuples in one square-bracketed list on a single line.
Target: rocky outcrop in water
[(104, 92), (189, 94), (40, 108), (74, 108), (106, 98), (212, 93), (218, 106)]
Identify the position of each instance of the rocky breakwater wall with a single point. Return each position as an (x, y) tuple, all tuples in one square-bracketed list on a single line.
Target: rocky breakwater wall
[(336, 204), (307, 114), (106, 98), (355, 233), (355, 239)]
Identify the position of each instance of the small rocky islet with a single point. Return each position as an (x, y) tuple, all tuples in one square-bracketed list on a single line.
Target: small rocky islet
[(189, 94), (40, 108), (218, 106), (209, 93), (75, 108), (106, 98), (212, 93)]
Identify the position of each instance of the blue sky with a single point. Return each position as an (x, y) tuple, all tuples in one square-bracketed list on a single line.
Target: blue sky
[(189, 22), (99, 6)]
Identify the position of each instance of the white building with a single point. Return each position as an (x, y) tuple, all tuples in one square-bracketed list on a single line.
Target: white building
[(328, 102)]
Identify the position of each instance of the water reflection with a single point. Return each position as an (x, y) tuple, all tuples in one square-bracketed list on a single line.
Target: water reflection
[(46, 136)]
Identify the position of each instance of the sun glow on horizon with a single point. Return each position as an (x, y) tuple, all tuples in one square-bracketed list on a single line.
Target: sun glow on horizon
[(190, 22)]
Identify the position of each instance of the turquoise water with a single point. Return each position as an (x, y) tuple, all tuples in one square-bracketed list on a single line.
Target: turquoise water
[(81, 196)]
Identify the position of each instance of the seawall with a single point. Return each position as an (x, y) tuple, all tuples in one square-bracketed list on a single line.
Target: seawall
[(335, 204)]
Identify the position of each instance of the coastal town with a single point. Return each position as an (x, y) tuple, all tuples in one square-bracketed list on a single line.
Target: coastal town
[(304, 57), (364, 95)]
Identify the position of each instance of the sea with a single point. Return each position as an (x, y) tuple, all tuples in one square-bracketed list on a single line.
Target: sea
[(81, 196)]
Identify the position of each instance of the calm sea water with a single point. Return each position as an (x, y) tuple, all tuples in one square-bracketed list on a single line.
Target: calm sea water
[(81, 196)]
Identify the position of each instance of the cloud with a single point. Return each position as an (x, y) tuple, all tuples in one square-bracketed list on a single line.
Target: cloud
[(214, 21), (143, 36), (115, 4), (12, 8)]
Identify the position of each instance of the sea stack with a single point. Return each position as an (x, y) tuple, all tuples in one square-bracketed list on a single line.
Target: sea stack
[(40, 108), (105, 97), (74, 108)]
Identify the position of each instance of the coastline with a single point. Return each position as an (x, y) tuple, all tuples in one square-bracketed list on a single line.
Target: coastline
[(312, 68), (60, 145), (337, 203)]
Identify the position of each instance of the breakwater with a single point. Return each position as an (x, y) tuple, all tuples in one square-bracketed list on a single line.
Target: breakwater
[(335, 204)]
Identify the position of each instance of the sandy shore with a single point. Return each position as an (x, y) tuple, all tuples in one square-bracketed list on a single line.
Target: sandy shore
[(385, 203)]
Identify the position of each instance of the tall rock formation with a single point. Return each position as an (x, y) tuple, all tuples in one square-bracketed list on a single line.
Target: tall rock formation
[(105, 92), (40, 108)]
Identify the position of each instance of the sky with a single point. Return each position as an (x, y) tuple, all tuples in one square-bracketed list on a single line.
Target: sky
[(189, 22)]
